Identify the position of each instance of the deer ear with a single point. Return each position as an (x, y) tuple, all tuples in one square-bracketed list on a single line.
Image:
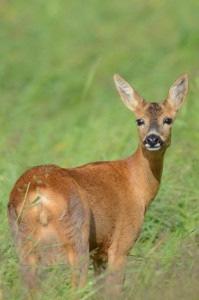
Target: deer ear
[(177, 92), (128, 95)]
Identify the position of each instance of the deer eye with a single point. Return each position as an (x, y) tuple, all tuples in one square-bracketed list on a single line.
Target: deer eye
[(140, 122), (167, 121)]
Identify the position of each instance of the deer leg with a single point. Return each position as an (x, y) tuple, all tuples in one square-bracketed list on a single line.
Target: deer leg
[(74, 232), (115, 274), (79, 261), (29, 271), (117, 256), (25, 246)]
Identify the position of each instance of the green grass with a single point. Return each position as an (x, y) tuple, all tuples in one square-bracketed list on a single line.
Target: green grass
[(59, 105)]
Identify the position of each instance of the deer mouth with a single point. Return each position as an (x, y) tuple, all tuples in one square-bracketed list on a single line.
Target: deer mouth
[(156, 147)]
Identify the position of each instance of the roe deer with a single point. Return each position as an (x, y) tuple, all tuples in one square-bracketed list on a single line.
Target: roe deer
[(97, 206)]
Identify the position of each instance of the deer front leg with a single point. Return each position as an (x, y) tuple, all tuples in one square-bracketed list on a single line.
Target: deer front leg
[(115, 274), (123, 240)]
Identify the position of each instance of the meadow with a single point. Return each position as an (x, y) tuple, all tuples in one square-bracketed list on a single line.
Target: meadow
[(58, 104)]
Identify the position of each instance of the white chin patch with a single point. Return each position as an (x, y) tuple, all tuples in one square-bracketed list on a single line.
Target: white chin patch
[(156, 148)]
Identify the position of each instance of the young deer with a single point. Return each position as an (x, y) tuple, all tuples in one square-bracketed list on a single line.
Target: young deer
[(98, 206)]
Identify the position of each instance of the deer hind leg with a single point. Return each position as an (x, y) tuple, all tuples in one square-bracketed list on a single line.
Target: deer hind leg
[(78, 259), (26, 249), (29, 264), (30, 260), (75, 230), (29, 271)]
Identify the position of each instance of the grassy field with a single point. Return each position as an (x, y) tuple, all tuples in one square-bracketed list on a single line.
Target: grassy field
[(58, 105)]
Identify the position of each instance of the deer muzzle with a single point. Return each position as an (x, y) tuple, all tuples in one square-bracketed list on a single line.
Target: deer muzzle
[(153, 142)]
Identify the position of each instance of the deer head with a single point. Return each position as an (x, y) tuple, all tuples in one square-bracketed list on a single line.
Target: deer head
[(154, 120)]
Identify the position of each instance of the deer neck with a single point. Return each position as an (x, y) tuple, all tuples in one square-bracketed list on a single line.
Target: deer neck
[(145, 172)]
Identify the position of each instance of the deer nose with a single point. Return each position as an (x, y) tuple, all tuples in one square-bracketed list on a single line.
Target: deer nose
[(152, 140)]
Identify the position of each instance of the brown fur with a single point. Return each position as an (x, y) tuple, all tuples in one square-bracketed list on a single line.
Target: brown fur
[(98, 207)]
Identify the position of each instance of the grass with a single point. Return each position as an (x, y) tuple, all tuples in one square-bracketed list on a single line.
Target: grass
[(59, 105)]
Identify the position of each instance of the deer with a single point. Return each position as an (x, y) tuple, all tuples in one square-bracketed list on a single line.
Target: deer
[(94, 211)]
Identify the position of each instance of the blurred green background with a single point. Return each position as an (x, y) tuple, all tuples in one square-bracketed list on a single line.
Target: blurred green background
[(58, 105)]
